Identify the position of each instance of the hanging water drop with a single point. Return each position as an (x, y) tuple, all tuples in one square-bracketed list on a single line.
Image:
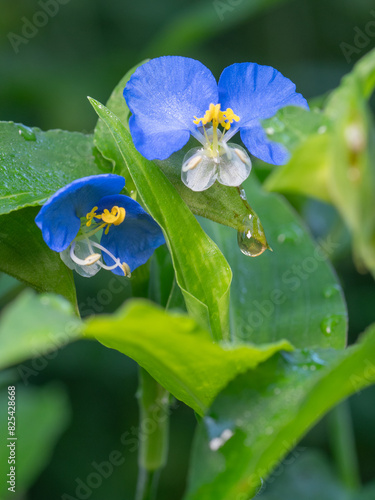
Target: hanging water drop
[(27, 133), (251, 239)]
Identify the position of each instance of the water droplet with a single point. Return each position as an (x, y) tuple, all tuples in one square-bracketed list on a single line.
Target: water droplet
[(291, 234), (329, 324), (218, 442), (251, 239), (27, 133), (331, 290), (322, 129), (243, 194)]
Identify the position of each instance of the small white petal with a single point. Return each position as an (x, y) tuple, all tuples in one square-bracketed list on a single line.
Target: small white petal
[(199, 171), (235, 168)]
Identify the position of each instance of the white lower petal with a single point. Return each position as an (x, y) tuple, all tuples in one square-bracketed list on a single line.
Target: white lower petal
[(199, 171), (234, 166)]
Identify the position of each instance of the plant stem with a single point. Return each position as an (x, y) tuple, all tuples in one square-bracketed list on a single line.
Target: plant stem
[(343, 446), (153, 434)]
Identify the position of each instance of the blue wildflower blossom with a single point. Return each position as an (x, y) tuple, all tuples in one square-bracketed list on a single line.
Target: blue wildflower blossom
[(75, 217), (174, 97)]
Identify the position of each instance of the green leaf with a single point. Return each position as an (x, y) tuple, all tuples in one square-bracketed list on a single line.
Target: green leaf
[(338, 166), (35, 164), (290, 293), (291, 126), (308, 475), (42, 415), (25, 255), (176, 351), (34, 325), (259, 417), (307, 171), (204, 281)]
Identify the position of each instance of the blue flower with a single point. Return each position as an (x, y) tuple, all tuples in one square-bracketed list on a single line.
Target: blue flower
[(73, 218), (174, 97)]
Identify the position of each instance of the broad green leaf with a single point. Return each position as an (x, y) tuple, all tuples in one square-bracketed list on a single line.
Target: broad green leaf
[(35, 164), (291, 126), (176, 351), (307, 171), (291, 292), (308, 475), (202, 272), (259, 417), (33, 325), (25, 255), (42, 415), (220, 203)]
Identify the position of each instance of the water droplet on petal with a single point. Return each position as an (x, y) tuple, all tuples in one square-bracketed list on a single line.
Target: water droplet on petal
[(251, 239), (27, 133), (330, 323)]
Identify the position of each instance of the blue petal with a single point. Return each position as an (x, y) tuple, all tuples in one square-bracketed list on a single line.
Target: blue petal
[(257, 142), (256, 92), (135, 239), (59, 218), (164, 95)]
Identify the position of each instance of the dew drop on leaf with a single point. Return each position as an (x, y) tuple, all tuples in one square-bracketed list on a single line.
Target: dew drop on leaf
[(329, 324), (330, 291), (27, 133)]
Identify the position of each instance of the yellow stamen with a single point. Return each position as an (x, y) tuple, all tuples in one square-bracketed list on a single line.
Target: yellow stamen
[(115, 216), (217, 117)]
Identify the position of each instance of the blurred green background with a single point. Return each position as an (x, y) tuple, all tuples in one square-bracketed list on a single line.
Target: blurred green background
[(84, 50)]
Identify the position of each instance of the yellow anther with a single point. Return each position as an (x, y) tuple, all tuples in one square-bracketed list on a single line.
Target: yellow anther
[(217, 117), (90, 216), (115, 216)]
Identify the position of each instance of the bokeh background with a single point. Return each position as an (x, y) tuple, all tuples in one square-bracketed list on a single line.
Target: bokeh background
[(84, 49)]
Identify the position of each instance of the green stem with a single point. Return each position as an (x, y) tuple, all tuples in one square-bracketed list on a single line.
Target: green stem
[(343, 446), (153, 434)]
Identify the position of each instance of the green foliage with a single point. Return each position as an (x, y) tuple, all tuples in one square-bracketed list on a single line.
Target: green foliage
[(42, 415), (289, 293), (308, 475), (177, 352), (338, 166), (25, 255), (34, 325), (260, 416), (204, 282), (35, 164)]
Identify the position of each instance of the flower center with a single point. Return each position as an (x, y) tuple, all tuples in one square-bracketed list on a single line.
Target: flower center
[(115, 216), (217, 117)]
